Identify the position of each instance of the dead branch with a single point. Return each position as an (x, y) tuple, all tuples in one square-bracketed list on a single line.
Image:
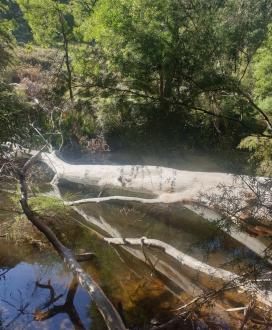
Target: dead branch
[(186, 260), (85, 256), (115, 198), (181, 257), (161, 266)]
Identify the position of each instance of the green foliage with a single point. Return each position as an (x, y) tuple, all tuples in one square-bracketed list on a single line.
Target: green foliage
[(262, 69), (77, 125), (13, 112), (261, 85), (152, 70), (14, 116), (6, 41), (157, 60), (45, 204), (173, 41), (20, 28), (261, 153), (43, 17)]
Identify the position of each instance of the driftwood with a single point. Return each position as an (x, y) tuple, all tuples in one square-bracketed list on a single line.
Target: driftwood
[(109, 313)]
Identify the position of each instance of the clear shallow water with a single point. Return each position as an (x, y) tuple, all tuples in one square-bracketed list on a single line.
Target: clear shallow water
[(174, 225), (144, 294), (130, 285)]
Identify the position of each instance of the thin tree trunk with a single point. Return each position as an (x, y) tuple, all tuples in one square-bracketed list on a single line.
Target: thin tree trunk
[(109, 313), (66, 56)]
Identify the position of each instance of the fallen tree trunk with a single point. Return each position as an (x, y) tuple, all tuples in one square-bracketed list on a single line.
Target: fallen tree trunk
[(108, 175), (167, 185), (170, 185), (109, 313)]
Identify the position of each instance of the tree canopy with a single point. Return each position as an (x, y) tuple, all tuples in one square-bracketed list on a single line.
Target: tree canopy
[(158, 70)]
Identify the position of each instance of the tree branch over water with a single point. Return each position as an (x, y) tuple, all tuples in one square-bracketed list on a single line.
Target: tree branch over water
[(105, 307)]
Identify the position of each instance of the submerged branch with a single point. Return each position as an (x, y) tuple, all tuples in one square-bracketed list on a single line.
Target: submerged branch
[(115, 198), (264, 297), (181, 257)]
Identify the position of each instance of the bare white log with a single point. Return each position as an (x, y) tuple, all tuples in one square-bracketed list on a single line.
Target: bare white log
[(168, 185), (181, 257)]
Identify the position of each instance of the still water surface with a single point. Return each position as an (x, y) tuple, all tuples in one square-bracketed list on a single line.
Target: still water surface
[(36, 292)]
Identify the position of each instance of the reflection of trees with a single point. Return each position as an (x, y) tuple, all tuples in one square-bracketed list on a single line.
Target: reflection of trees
[(68, 306), (47, 309), (4, 272)]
